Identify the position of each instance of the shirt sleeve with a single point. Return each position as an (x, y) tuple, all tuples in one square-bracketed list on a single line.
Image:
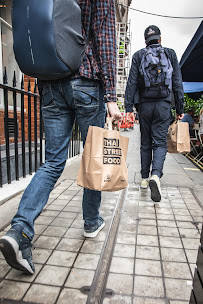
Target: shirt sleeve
[(104, 41), (177, 85), (131, 92)]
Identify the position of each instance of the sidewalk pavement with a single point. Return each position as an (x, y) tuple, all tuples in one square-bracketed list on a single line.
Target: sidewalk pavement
[(155, 247)]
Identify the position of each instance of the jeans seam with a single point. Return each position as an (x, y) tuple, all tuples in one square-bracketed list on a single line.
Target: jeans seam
[(24, 229), (61, 89), (49, 91)]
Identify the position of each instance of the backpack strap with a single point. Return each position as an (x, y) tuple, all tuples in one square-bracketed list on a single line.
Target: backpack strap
[(144, 79), (170, 60), (168, 54)]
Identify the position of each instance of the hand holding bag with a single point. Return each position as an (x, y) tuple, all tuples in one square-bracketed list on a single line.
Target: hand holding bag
[(178, 137), (103, 164)]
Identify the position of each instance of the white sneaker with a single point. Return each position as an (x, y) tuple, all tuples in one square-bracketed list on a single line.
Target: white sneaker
[(93, 231), (154, 184), (144, 183)]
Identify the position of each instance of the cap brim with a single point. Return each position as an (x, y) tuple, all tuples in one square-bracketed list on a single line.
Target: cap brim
[(152, 37)]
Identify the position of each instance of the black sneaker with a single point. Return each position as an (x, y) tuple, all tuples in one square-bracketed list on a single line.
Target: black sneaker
[(16, 248), (155, 187), (92, 232)]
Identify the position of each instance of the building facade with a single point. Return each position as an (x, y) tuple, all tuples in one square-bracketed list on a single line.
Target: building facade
[(123, 48)]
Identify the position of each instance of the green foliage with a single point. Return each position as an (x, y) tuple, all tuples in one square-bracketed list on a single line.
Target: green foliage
[(196, 105)]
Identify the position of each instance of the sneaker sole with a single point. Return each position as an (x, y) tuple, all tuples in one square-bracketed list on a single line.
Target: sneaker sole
[(155, 194), (144, 187), (10, 249), (94, 234)]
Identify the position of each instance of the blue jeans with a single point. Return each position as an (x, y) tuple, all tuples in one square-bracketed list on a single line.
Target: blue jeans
[(63, 102), (155, 117)]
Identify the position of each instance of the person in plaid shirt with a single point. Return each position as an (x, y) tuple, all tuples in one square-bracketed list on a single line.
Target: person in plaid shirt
[(100, 59), (81, 97)]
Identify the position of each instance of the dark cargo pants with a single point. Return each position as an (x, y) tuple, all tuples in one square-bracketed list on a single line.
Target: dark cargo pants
[(155, 118)]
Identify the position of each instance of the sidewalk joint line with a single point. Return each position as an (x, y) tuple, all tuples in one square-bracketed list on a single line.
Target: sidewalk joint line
[(97, 291)]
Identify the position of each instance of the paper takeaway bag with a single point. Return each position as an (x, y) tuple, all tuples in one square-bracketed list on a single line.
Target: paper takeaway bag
[(178, 138), (103, 164)]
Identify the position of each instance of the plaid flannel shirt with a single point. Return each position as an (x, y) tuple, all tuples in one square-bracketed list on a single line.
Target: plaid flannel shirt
[(99, 62)]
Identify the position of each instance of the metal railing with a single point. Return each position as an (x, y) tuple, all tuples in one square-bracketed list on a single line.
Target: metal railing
[(21, 131), (197, 291)]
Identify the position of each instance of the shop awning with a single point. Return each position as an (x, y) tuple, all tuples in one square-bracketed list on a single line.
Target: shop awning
[(192, 87), (192, 60)]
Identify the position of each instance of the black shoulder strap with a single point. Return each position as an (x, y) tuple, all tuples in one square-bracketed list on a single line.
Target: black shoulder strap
[(168, 54)]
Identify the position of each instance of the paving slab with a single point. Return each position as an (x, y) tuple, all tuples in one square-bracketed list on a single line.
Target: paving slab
[(165, 251)]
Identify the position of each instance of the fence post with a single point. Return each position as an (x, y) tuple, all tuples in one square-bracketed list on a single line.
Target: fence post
[(35, 124), (1, 179), (15, 127), (5, 82), (42, 145), (29, 128), (23, 126)]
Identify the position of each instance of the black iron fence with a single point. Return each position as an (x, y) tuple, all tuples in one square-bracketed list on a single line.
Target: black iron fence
[(21, 130)]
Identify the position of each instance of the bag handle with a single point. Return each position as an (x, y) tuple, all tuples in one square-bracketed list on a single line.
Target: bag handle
[(110, 125)]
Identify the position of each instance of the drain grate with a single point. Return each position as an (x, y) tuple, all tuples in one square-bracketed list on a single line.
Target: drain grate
[(109, 293), (85, 290)]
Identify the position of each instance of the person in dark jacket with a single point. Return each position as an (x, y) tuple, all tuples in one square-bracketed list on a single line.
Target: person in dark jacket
[(154, 112)]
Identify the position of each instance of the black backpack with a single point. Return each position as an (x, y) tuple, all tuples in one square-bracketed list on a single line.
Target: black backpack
[(47, 35), (156, 73)]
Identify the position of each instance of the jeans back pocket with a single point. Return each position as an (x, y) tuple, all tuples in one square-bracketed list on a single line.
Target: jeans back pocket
[(49, 106), (86, 99)]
